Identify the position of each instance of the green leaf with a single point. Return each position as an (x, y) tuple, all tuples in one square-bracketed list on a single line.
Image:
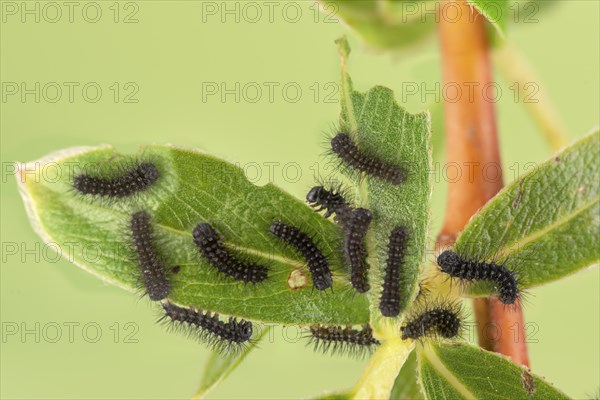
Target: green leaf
[(382, 127), (466, 372), (399, 24), (545, 224), (407, 386), (495, 11), (385, 24), (219, 366), (395, 25), (193, 187)]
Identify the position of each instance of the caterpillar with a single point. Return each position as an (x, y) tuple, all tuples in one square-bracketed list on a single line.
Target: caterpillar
[(153, 276), (316, 261), (208, 328), (351, 156), (209, 244), (389, 302), (332, 201), (136, 178), (442, 320), (355, 249), (505, 281), (343, 340)]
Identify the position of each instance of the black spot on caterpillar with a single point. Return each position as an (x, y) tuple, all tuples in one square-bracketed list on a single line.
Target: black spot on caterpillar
[(208, 328), (153, 276), (442, 320), (355, 249), (211, 247), (332, 200), (505, 281), (343, 340), (316, 261), (134, 178), (389, 302), (357, 159)]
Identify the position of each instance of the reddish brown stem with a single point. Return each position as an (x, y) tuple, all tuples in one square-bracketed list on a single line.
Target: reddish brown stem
[(472, 147)]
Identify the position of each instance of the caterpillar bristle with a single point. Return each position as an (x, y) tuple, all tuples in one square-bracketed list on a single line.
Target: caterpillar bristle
[(505, 281), (317, 262), (343, 340), (356, 159), (153, 277), (206, 327), (211, 247)]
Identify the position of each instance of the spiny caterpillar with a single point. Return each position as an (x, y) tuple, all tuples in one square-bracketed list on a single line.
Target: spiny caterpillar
[(389, 302), (442, 320), (316, 261), (505, 281), (332, 201), (355, 249), (344, 340), (208, 327), (355, 158), (136, 178), (211, 247), (154, 279)]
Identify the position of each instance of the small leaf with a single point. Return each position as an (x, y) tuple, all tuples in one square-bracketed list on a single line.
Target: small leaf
[(495, 11), (407, 386), (467, 372), (382, 127), (193, 187), (385, 24), (219, 366), (545, 224)]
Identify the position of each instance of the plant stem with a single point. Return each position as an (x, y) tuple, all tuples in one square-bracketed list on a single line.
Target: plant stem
[(379, 376), (472, 146), (513, 65)]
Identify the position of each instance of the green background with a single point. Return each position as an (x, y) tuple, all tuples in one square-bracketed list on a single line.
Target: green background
[(168, 53)]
